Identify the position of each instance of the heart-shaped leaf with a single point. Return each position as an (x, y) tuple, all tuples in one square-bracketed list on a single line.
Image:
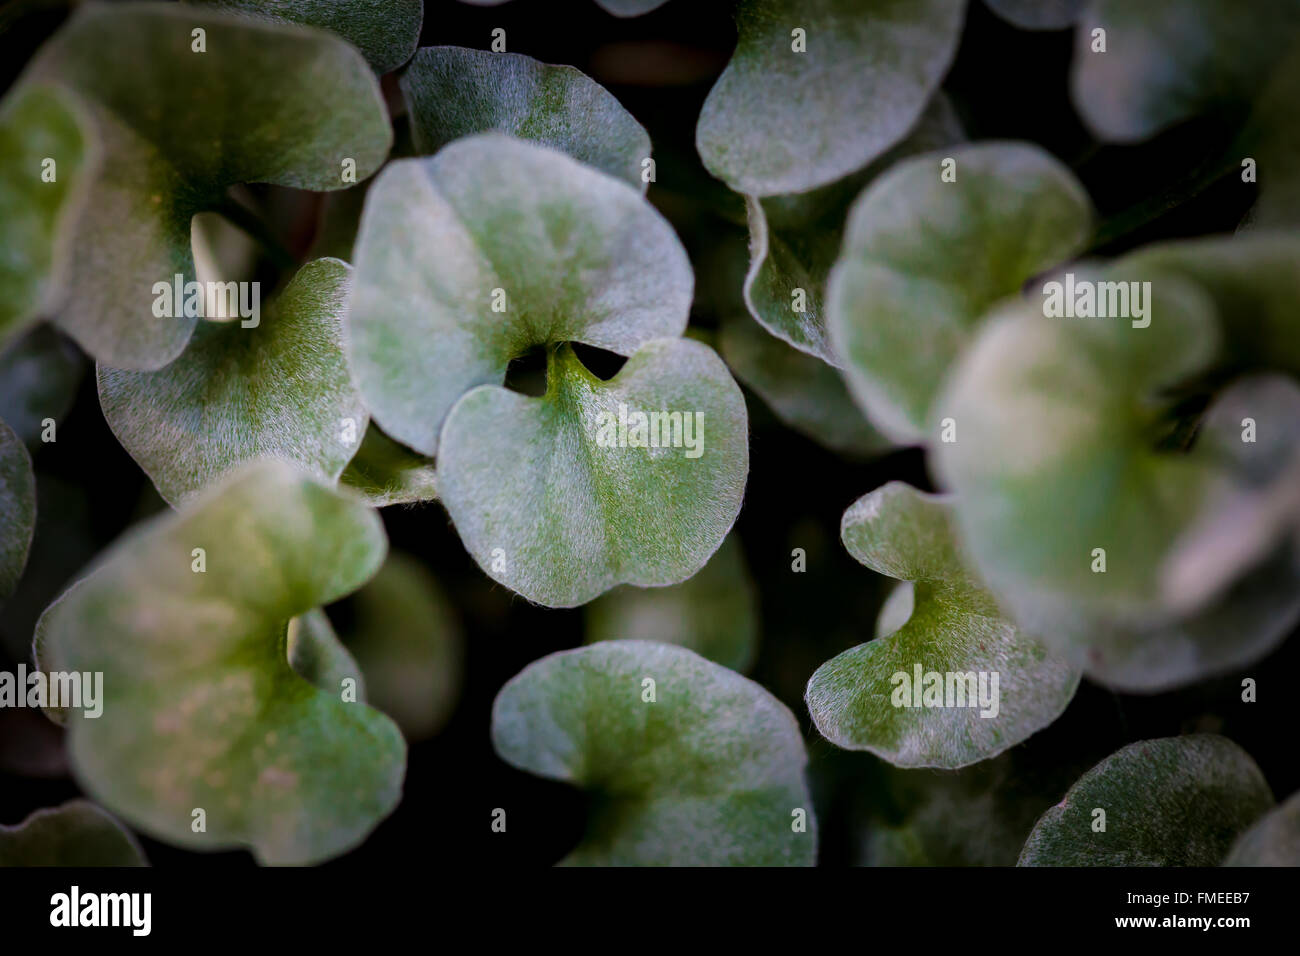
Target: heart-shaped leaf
[(924, 258), (388, 473), (714, 613), (186, 618), (1176, 801), (17, 508), (39, 375), (452, 92), (45, 160), (1165, 61), (817, 90), (385, 31), (277, 388), (1274, 840), (958, 682), (1038, 14), (184, 104), (77, 833), (490, 248), (688, 763)]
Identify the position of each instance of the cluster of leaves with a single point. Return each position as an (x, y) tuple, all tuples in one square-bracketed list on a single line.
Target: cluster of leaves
[(883, 305)]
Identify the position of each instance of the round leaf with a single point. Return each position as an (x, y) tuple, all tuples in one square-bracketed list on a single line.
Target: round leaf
[(77, 833), (1038, 14), (1274, 840), (17, 509), (39, 376), (780, 121), (280, 389), (201, 709), (708, 773), (958, 682), (1176, 801)]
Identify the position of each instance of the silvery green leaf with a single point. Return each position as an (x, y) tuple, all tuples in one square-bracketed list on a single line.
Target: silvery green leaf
[(407, 641), (1273, 840), (39, 375), (714, 613), (153, 100), (896, 609), (924, 259), (1169, 60), (794, 240), (452, 92), (200, 707), (1176, 801), (569, 253), (76, 833), (385, 31), (318, 656), (280, 388), (39, 126), (551, 495), (1038, 14), (710, 772), (779, 121), (388, 473), (17, 509), (958, 682)]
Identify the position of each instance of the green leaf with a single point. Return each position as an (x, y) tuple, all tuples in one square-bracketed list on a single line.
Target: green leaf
[(794, 240), (804, 393), (554, 503), (265, 103), (924, 259), (279, 389), (17, 509), (1038, 14), (452, 92), (995, 684), (1176, 801), (708, 774), (76, 833), (39, 376), (38, 126), (714, 613), (407, 641), (385, 31), (779, 121), (201, 709), (318, 656), (1169, 60), (389, 473), (1274, 839), (576, 256)]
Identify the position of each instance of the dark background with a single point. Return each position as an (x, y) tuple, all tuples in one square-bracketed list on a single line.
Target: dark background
[(1006, 84)]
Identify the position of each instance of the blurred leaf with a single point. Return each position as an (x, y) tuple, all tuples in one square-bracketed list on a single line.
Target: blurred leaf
[(868, 698), (1038, 14), (17, 509), (77, 833), (385, 31), (388, 473), (452, 92), (306, 103), (318, 656), (708, 774), (280, 389), (201, 708), (1274, 839), (714, 613), (923, 260), (39, 376), (619, 8), (1176, 801)]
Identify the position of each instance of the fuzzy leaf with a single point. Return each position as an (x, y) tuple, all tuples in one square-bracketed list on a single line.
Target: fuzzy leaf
[(38, 124), (708, 774), (1176, 801), (1273, 840), (714, 613), (794, 240), (318, 656), (201, 708), (865, 698), (452, 92), (923, 260), (1169, 60), (388, 473), (39, 376), (779, 121), (576, 256), (17, 509), (265, 103), (1038, 14), (77, 833), (385, 31), (281, 389)]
